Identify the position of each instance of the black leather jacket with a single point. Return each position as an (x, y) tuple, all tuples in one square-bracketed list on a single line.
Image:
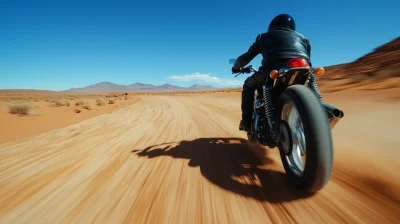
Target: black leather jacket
[(275, 46)]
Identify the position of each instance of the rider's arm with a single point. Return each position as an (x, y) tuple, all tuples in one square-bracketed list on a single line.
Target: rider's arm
[(253, 51)]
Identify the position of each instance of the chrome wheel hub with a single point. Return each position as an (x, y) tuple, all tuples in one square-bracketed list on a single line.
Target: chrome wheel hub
[(295, 154)]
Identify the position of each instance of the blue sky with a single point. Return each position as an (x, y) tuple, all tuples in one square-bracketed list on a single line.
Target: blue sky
[(57, 45)]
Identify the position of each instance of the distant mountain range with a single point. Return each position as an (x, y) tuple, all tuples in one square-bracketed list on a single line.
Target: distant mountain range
[(136, 87)]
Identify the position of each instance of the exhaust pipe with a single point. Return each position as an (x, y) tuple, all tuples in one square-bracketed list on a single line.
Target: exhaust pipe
[(334, 114)]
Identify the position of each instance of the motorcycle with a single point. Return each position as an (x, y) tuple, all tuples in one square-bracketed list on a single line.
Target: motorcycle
[(289, 113)]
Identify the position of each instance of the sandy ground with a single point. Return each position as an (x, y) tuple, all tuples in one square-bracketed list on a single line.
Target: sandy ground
[(44, 116), (181, 159)]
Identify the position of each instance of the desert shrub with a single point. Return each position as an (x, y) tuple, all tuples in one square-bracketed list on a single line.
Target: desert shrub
[(80, 103), (100, 102), (20, 108), (83, 104), (111, 101), (60, 103)]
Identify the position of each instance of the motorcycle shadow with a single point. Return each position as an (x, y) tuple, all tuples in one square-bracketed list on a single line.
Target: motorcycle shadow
[(230, 164)]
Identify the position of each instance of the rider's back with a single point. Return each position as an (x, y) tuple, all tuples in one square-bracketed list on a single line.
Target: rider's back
[(283, 43)]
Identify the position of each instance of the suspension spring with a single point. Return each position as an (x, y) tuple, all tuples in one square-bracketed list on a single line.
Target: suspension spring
[(268, 106), (312, 83)]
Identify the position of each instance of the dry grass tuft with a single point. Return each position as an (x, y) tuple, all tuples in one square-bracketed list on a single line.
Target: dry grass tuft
[(60, 103), (100, 102), (83, 104), (20, 108), (80, 103)]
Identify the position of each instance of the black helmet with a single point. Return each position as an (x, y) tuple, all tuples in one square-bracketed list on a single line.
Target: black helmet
[(281, 21)]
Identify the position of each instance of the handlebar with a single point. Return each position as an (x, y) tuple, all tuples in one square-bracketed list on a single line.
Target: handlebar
[(246, 70)]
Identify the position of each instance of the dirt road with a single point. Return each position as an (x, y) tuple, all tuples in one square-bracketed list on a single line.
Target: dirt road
[(181, 159)]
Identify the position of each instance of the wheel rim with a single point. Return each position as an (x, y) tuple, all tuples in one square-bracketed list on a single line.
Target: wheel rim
[(296, 160)]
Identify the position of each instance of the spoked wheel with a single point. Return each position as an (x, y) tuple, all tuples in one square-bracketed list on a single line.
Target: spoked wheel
[(306, 143)]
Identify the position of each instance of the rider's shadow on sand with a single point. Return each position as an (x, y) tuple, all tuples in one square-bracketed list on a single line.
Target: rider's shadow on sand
[(229, 164)]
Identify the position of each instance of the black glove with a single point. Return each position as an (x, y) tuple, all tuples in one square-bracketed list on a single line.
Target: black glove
[(235, 70)]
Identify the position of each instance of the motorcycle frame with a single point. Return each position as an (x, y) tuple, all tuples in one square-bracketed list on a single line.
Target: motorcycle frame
[(287, 77)]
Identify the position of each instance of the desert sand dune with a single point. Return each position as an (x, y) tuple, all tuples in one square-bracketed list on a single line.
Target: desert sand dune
[(181, 159)]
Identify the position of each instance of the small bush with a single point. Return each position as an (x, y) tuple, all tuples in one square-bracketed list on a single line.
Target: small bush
[(60, 103), (100, 102), (111, 101), (80, 103), (83, 104), (21, 108)]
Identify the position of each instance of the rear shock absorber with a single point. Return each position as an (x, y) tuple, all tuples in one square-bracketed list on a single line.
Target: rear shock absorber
[(268, 109), (312, 83)]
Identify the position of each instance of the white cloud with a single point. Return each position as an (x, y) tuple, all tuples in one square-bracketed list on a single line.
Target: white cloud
[(206, 78)]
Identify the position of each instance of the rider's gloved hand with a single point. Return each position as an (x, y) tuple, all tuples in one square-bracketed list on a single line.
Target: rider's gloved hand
[(235, 70)]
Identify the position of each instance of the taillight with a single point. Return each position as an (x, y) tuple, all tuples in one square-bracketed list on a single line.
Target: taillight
[(296, 63)]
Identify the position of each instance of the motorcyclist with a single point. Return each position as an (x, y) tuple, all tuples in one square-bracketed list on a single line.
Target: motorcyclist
[(280, 44)]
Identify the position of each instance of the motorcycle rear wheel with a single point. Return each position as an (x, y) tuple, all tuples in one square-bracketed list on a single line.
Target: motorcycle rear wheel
[(311, 138)]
